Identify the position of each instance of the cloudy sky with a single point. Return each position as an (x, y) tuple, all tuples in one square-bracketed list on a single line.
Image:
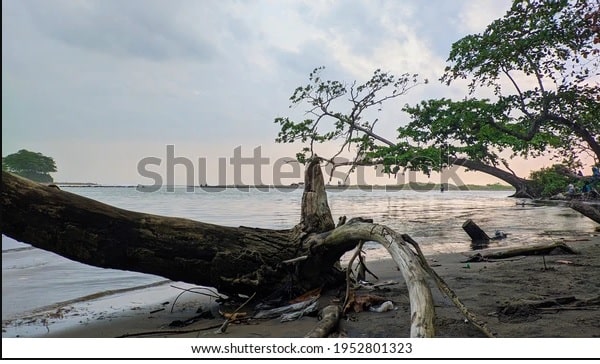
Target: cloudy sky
[(101, 84)]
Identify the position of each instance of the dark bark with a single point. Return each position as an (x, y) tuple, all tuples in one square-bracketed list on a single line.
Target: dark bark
[(588, 210), (477, 235), (233, 260), (524, 187), (259, 262), (479, 239)]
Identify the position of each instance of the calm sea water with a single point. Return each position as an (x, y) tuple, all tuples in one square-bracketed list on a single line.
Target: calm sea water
[(33, 278)]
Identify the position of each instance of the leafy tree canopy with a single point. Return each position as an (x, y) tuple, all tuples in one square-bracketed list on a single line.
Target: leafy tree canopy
[(540, 62), (31, 165), (325, 122)]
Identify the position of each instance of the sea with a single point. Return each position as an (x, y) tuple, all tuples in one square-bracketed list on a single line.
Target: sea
[(34, 279)]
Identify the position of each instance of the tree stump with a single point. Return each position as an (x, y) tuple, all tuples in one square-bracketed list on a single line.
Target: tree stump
[(479, 239)]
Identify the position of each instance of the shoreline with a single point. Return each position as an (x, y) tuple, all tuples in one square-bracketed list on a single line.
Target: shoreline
[(394, 187), (485, 288)]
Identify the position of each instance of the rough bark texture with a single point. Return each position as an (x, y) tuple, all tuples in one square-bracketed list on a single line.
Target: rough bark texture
[(315, 213), (233, 260)]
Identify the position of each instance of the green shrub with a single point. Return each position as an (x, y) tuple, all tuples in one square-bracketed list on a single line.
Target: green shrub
[(552, 180)]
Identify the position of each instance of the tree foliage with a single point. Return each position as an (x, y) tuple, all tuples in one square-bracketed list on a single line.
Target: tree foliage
[(541, 60), (552, 180), (539, 66), (326, 123), (32, 165)]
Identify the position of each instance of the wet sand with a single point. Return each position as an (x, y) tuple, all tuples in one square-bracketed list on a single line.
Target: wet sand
[(486, 288)]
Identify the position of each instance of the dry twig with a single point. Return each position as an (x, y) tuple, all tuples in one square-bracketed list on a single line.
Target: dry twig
[(232, 316)]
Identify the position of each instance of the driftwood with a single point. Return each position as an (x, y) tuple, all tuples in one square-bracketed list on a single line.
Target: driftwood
[(329, 320), (230, 317), (446, 290), (421, 301), (240, 260), (585, 209), (554, 248), (477, 235), (258, 262)]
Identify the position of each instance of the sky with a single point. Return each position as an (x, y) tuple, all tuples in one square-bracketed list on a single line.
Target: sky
[(103, 85)]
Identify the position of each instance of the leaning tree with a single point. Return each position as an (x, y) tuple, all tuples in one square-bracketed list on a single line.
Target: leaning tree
[(540, 62), (266, 262)]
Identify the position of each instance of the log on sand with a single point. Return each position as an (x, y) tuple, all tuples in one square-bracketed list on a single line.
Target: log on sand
[(235, 260), (554, 248)]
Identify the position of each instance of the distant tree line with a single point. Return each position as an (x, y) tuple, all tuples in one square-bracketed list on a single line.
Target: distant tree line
[(32, 165)]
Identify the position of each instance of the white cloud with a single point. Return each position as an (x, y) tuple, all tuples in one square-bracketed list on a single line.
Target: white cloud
[(476, 15), (108, 78)]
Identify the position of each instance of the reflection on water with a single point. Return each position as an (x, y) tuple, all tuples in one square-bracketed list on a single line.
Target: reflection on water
[(32, 278)]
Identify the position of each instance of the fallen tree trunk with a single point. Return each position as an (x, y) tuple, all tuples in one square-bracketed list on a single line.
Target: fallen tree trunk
[(257, 262), (587, 210), (233, 260)]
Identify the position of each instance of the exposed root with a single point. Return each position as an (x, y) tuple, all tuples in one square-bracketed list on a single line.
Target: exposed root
[(445, 289)]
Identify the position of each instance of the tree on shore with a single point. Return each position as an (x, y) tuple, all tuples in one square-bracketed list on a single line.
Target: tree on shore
[(267, 263), (541, 62), (32, 165)]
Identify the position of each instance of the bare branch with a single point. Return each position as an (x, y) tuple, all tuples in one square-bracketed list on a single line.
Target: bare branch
[(533, 129), (516, 86)]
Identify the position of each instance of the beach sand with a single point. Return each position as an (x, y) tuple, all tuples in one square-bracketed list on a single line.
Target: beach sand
[(485, 288)]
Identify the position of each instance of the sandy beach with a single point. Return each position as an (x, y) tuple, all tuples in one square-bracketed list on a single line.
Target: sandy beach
[(495, 291)]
